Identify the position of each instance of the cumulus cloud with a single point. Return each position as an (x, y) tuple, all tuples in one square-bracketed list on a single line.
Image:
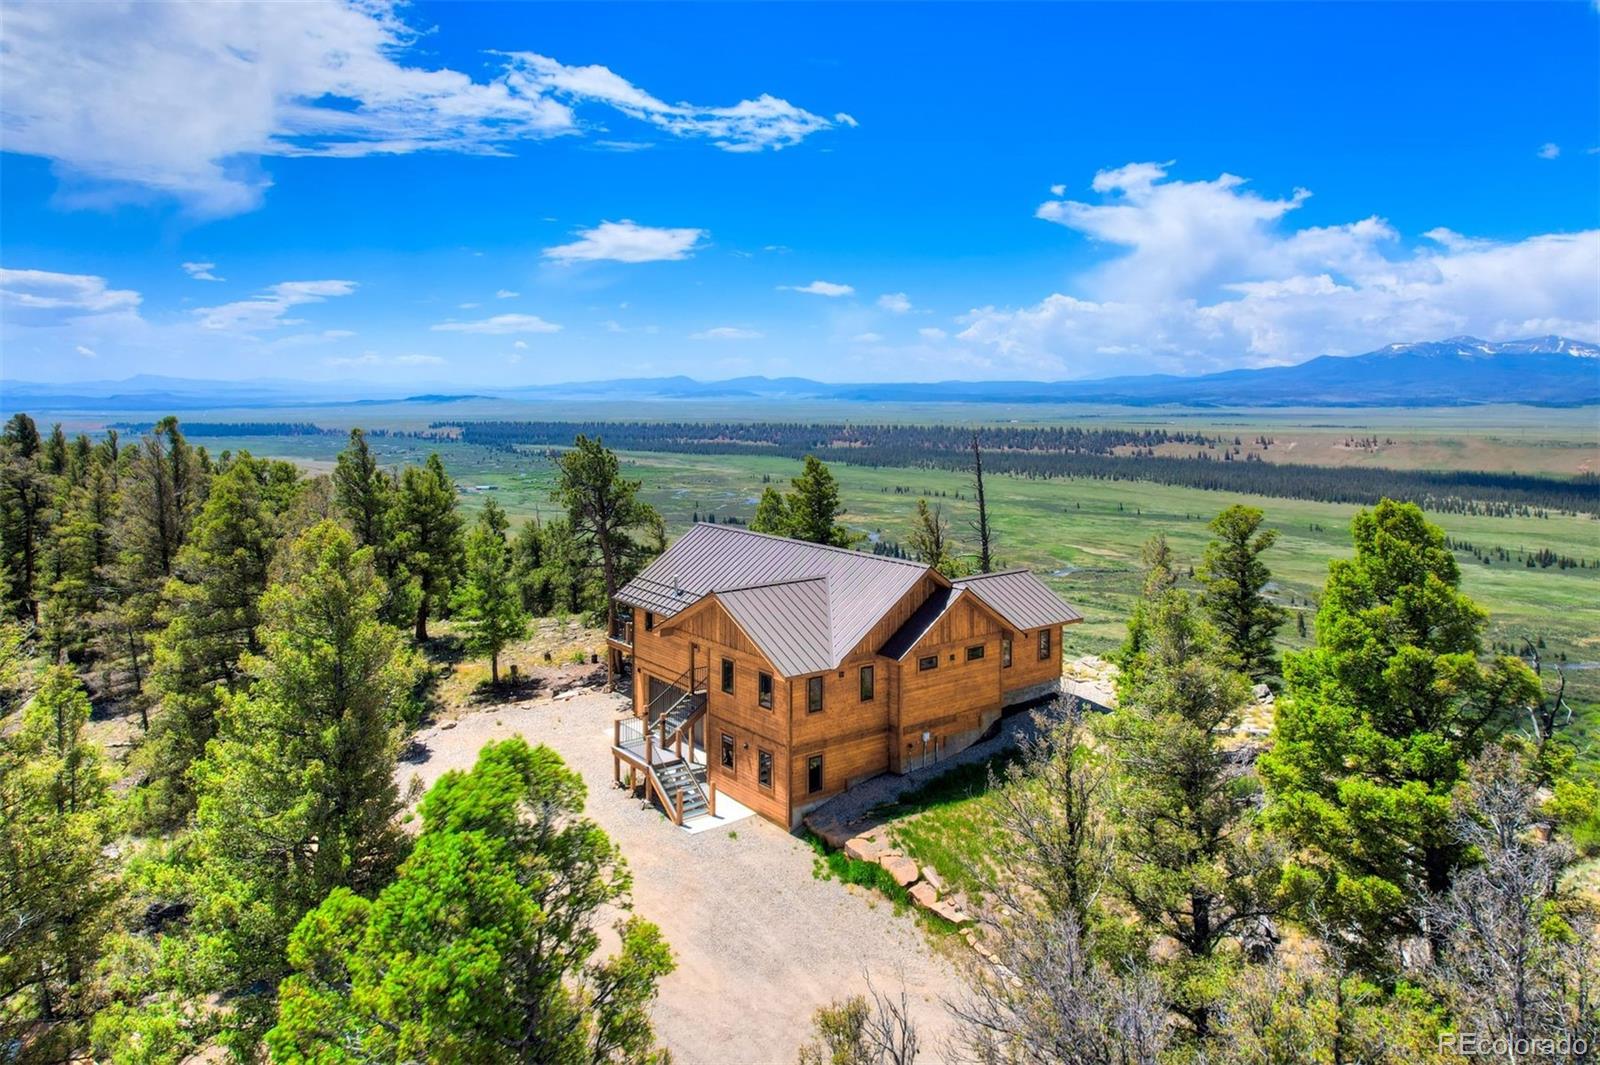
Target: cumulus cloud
[(202, 271), (627, 242), (1204, 274), (821, 288), (500, 325), (895, 302), (185, 99), (1549, 150), (270, 309), (932, 333), (727, 332), (506, 294), (41, 295), (87, 352)]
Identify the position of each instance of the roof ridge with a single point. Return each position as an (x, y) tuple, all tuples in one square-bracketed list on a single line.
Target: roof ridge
[(823, 577), (996, 573), (740, 530)]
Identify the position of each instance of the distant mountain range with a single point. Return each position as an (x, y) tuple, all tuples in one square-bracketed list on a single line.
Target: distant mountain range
[(1461, 371)]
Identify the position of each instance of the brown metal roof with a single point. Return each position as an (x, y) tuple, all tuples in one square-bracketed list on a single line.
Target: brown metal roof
[(921, 620), (1021, 598), (857, 589)]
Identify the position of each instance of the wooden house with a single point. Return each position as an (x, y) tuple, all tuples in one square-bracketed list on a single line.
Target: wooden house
[(783, 672)]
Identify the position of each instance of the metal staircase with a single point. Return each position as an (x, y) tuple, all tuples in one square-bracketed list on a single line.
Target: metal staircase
[(679, 706), (679, 790)]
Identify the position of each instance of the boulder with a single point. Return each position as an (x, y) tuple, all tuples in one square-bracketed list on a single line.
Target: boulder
[(949, 911), (931, 875), (903, 869), (831, 832), (864, 848), (924, 895)]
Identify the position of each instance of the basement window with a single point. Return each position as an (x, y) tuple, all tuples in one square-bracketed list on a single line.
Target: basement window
[(929, 662), (975, 653), (814, 774), (814, 695), (764, 689)]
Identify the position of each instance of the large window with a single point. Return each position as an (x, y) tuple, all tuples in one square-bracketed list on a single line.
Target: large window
[(764, 689), (727, 675), (974, 653), (1005, 652), (764, 768), (814, 774), (727, 752), (814, 695), (928, 662), (867, 681), (1044, 644)]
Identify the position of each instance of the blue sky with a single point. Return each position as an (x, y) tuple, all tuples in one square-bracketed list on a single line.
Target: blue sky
[(508, 193)]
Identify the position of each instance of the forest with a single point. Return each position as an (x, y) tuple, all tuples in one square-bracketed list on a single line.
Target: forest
[(1383, 879)]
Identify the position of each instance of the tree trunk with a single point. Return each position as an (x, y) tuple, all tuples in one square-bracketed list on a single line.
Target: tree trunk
[(494, 670), (422, 619), (985, 560)]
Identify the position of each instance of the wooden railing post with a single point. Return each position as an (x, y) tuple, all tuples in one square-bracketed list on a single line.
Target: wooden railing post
[(677, 800), (711, 797)]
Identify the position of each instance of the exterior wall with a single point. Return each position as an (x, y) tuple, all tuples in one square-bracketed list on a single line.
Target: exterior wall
[(955, 702), (1029, 675), (655, 655)]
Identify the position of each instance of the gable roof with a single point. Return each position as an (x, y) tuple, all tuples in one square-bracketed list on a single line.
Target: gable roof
[(921, 620), (758, 579), (1020, 597)]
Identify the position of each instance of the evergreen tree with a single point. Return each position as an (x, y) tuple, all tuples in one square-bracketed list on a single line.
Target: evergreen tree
[(24, 499), (814, 506), (772, 514), (166, 486), (488, 601), (1190, 866), (1234, 580), (57, 884), (1160, 577), (212, 614), (364, 492), (605, 513), (427, 536), (297, 794), (1376, 726), (483, 948), (929, 541)]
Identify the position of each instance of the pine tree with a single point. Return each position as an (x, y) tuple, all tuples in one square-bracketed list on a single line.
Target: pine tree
[(488, 601), (814, 506), (1190, 867), (1234, 580), (1160, 577), (427, 536), (297, 794), (212, 615), (605, 513), (929, 541), (364, 492), (482, 949), (24, 499), (1377, 724), (58, 886), (772, 514)]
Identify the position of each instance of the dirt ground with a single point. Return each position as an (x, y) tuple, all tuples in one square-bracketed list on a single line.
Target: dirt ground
[(760, 942)]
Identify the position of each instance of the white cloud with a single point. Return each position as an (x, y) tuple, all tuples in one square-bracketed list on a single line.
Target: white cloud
[(500, 325), (727, 332), (419, 360), (269, 310), (932, 333), (821, 288), (87, 352), (520, 345), (185, 99), (41, 294), (1549, 150), (867, 338), (1203, 274), (1058, 190), (468, 306), (627, 242), (366, 358), (506, 294), (202, 271), (895, 302)]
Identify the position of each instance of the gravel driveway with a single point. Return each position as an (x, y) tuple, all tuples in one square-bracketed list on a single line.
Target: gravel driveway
[(760, 943)]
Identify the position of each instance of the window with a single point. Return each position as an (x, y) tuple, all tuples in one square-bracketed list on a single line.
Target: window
[(814, 774), (814, 695), (867, 680), (930, 662), (764, 689), (649, 620), (727, 751), (764, 768), (1044, 644), (1005, 652), (727, 675), (974, 653)]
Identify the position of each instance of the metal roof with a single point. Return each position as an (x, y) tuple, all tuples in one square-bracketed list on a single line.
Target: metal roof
[(788, 621), (860, 587), (921, 620), (1021, 598)]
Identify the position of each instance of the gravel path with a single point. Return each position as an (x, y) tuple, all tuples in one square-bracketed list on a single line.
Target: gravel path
[(760, 943)]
